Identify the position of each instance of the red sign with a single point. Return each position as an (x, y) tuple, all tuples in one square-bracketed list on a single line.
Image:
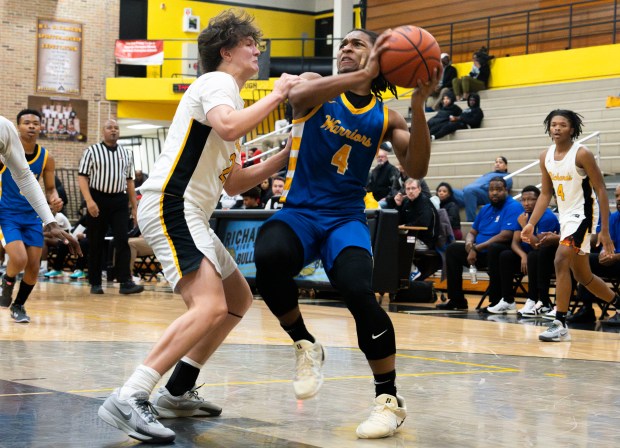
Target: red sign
[(139, 52)]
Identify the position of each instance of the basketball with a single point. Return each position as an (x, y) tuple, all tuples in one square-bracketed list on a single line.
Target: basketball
[(413, 54)]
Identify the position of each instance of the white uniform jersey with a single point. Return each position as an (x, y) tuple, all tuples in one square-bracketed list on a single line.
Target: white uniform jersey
[(196, 161), (573, 190)]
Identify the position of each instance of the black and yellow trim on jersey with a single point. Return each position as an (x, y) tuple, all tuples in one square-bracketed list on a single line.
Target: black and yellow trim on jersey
[(37, 154), (171, 204)]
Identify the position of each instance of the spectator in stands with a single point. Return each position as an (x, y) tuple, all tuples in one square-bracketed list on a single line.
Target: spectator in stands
[(252, 152), (604, 265), (471, 118), (382, 176), (514, 260), (251, 199), (447, 202), (48, 243), (416, 209), (138, 247), (105, 176), (265, 190), (476, 193), (495, 224), (227, 202), (442, 117), (449, 73), (478, 77), (62, 194), (140, 178), (277, 188)]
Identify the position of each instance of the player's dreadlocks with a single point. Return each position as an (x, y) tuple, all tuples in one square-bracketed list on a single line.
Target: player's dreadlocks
[(575, 121), (379, 84)]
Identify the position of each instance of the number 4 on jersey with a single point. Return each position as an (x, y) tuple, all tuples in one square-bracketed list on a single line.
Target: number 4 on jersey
[(341, 159)]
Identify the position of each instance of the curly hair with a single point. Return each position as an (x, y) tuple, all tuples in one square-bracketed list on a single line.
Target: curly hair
[(575, 119), (225, 30), (379, 84)]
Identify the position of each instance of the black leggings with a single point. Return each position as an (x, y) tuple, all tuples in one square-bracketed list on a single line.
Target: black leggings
[(279, 257)]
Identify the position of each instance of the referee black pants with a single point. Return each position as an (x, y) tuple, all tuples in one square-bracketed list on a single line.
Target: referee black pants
[(113, 214)]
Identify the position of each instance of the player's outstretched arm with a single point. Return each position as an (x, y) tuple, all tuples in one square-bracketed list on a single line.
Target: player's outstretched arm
[(413, 148), (231, 124)]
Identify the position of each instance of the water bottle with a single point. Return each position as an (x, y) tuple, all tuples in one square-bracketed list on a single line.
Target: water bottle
[(473, 274)]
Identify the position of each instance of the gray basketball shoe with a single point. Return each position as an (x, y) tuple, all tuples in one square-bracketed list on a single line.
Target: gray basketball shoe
[(136, 417), (190, 404)]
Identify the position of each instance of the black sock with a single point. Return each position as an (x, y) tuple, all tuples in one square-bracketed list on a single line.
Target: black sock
[(183, 379), (561, 317), (24, 291), (9, 280), (298, 331), (385, 383)]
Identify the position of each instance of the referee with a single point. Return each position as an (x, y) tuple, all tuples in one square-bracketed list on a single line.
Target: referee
[(106, 181)]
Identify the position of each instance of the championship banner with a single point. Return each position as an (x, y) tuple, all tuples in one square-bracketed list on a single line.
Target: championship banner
[(139, 52)]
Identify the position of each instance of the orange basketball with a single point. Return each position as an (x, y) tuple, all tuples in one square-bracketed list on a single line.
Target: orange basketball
[(413, 54)]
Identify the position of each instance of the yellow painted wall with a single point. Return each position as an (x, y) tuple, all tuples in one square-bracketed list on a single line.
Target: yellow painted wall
[(553, 67), (166, 23)]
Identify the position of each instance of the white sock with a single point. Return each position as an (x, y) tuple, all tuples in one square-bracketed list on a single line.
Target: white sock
[(44, 264), (191, 362), (143, 379)]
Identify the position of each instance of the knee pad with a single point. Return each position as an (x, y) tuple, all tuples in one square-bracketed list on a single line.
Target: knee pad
[(278, 255), (352, 276)]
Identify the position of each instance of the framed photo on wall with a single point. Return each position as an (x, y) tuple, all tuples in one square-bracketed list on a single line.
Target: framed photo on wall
[(63, 118)]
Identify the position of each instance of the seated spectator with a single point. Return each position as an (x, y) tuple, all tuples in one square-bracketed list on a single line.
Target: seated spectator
[(514, 260), (449, 73), (416, 209), (476, 193), (448, 109), (471, 118), (495, 224), (48, 243), (265, 190), (398, 186), (58, 265), (478, 78), (382, 176), (448, 203), (251, 199), (252, 152), (229, 202), (277, 188), (140, 178), (137, 248), (604, 265)]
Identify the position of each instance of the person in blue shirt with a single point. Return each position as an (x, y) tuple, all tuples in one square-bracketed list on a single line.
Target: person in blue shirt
[(514, 260), (495, 224), (604, 265), (476, 193)]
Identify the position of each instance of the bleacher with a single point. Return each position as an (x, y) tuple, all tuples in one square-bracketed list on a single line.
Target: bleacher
[(513, 127)]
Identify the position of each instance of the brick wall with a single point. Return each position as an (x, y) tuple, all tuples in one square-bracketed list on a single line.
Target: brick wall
[(18, 22)]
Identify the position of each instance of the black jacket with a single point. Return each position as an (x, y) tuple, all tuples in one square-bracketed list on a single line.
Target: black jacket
[(381, 179)]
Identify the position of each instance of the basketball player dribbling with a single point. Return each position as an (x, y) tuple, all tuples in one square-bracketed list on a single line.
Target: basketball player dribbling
[(569, 169), (339, 124)]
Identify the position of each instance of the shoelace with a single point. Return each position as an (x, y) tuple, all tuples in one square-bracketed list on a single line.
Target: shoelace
[(306, 364), (147, 411), (382, 414), (193, 394)]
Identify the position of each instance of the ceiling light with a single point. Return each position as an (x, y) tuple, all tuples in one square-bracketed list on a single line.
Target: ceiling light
[(143, 126)]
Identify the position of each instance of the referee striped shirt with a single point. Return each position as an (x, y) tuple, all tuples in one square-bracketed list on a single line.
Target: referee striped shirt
[(107, 168)]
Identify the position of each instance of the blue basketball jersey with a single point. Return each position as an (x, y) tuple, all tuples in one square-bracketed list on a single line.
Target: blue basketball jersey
[(12, 202), (333, 148)]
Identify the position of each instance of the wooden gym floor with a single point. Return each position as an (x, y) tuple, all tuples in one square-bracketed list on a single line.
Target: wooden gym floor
[(468, 381)]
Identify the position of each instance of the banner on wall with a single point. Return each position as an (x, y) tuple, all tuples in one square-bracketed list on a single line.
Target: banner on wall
[(139, 52), (59, 57), (62, 118)]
